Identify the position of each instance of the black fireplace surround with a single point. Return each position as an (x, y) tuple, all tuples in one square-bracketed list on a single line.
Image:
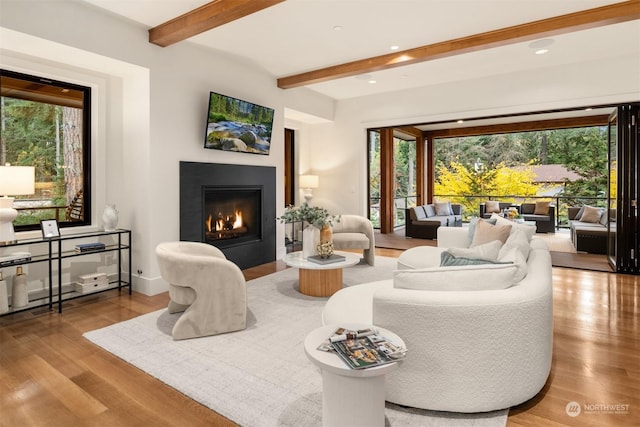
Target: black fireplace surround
[(214, 196)]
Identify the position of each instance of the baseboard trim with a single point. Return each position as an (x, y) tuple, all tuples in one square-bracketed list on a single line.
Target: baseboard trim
[(149, 286)]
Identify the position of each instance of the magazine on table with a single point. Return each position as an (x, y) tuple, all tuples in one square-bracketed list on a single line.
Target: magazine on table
[(363, 348)]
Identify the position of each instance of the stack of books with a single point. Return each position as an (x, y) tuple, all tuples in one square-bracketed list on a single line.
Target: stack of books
[(15, 258), (317, 259), (91, 283), (89, 247)]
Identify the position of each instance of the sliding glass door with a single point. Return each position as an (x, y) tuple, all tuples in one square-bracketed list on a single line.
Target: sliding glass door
[(612, 197)]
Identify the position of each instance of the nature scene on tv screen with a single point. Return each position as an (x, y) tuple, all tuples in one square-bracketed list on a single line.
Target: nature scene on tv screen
[(235, 125)]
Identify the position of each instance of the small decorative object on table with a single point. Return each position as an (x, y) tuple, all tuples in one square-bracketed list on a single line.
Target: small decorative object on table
[(19, 296), (110, 217), (49, 228), (91, 283), (512, 214), (4, 295), (318, 218), (325, 249)]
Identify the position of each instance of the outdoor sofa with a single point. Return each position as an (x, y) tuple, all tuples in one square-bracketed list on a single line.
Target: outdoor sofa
[(423, 221), (543, 213), (589, 228)]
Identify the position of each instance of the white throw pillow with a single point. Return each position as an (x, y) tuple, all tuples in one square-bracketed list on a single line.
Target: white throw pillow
[(591, 214), (492, 206), (487, 251), (511, 253), (443, 208), (529, 230), (458, 278), (519, 239)]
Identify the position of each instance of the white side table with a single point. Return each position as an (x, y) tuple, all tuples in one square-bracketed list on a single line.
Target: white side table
[(350, 397)]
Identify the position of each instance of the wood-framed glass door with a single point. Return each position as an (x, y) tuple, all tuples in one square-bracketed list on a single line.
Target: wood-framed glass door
[(612, 193), (624, 177)]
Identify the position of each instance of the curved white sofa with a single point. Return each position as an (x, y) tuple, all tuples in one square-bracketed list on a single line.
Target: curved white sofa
[(468, 351)]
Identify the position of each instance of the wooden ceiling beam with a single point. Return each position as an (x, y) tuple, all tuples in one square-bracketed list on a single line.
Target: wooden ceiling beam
[(204, 18), (612, 14), (537, 125)]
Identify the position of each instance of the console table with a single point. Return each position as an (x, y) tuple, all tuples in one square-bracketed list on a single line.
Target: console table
[(54, 250)]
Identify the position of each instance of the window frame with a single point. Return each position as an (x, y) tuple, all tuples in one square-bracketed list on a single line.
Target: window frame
[(86, 145)]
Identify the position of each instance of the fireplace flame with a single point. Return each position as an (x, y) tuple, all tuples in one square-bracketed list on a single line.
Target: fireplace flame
[(224, 223), (238, 222)]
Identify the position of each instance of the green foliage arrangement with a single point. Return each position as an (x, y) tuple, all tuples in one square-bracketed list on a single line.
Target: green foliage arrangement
[(314, 215)]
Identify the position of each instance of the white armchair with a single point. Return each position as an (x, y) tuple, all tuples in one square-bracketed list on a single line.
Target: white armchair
[(210, 290), (355, 232)]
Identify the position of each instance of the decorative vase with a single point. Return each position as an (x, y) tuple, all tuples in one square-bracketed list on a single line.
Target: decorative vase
[(326, 234), (310, 240), (19, 296), (110, 218), (4, 296)]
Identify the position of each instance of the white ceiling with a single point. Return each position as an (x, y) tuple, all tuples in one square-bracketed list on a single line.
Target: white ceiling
[(299, 35)]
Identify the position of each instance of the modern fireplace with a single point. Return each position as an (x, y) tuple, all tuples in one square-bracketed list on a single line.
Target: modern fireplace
[(231, 207)]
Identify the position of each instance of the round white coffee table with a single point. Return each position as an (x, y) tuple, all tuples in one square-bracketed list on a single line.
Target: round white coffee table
[(350, 397), (320, 280)]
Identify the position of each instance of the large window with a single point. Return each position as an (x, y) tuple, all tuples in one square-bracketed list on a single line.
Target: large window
[(45, 124)]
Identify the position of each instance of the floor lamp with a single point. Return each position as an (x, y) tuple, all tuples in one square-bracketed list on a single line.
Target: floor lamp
[(309, 182), (14, 181)]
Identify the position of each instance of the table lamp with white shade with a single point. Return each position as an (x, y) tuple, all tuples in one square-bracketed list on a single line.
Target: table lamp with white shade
[(14, 181), (309, 182)]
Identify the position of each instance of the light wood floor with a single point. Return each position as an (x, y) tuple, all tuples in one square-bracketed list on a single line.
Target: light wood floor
[(51, 376)]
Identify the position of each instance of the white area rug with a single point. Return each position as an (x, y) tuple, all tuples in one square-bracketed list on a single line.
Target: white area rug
[(259, 376)]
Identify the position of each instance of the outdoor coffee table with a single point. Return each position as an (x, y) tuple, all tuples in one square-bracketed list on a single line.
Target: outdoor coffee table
[(320, 280)]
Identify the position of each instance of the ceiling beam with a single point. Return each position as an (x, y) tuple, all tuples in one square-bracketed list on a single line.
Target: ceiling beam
[(537, 125), (591, 18), (204, 18)]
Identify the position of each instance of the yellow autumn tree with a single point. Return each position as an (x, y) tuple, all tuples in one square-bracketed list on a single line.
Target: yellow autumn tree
[(463, 185)]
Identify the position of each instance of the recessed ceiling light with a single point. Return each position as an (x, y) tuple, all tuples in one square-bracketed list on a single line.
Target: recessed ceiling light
[(588, 109), (337, 28), (460, 121), (372, 82), (541, 46), (395, 47)]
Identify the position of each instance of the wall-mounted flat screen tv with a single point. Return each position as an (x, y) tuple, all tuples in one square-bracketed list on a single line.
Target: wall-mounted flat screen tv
[(236, 125)]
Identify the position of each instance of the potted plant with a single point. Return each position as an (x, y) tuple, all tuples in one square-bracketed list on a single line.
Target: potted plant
[(319, 222)]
